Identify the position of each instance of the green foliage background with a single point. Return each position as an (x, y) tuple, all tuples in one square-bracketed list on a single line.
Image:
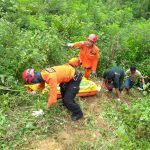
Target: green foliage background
[(33, 34)]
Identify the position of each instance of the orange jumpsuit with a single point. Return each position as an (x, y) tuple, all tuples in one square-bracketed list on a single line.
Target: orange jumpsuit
[(88, 57), (55, 75)]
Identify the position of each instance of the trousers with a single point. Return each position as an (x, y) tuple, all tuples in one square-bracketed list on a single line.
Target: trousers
[(69, 91)]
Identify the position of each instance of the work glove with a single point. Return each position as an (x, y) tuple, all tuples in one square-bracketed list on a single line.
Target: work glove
[(69, 45), (33, 92), (140, 88), (37, 113), (99, 88)]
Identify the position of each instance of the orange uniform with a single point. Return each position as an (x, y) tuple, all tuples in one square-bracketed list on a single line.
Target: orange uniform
[(88, 57), (55, 75)]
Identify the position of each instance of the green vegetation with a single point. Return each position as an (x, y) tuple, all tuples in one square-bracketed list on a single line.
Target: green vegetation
[(33, 34), (132, 121)]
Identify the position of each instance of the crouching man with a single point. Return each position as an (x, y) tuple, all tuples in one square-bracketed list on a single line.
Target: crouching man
[(132, 78), (69, 80), (113, 78)]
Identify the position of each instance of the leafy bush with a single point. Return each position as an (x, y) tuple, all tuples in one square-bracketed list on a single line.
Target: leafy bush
[(132, 123)]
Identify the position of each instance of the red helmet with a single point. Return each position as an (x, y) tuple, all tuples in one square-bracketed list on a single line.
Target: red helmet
[(28, 75), (92, 37)]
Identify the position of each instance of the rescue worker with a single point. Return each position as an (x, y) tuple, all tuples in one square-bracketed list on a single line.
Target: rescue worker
[(132, 77), (113, 78), (69, 80), (88, 55)]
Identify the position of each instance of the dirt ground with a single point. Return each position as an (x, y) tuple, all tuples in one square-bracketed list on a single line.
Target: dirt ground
[(72, 132)]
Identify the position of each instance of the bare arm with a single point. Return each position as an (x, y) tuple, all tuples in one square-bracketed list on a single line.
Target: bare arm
[(118, 93), (143, 81), (102, 83)]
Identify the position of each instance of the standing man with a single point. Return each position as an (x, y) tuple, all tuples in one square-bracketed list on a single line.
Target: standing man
[(88, 55), (132, 77), (113, 78), (69, 80)]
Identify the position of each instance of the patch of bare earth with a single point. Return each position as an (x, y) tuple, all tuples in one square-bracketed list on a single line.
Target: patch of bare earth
[(47, 144), (71, 133)]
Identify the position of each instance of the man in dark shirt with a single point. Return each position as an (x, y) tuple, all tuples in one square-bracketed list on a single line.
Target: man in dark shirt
[(113, 78)]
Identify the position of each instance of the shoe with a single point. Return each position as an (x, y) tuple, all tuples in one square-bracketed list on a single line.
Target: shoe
[(140, 89), (76, 117)]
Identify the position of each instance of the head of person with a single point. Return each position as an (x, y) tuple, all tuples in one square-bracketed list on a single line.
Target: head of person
[(133, 69), (30, 76), (109, 76), (92, 38)]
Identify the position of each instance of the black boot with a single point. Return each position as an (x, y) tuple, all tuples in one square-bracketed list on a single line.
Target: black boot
[(77, 116)]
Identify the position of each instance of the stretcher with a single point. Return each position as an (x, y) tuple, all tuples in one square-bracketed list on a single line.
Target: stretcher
[(87, 88)]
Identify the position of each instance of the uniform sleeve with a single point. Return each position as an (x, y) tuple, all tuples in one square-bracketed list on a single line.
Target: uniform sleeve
[(52, 81), (78, 44), (95, 61)]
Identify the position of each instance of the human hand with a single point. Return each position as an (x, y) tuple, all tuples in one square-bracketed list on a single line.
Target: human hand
[(69, 45), (48, 106)]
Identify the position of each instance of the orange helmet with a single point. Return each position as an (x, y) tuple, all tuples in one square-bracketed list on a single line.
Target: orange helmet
[(92, 37), (28, 75)]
